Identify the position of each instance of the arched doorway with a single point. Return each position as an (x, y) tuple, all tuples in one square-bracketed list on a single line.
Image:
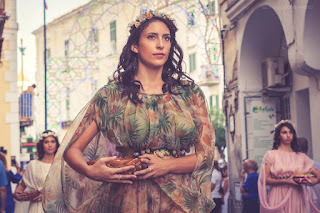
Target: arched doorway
[(264, 80), (263, 38)]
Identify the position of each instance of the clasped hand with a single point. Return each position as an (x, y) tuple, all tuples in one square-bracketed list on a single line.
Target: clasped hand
[(23, 196), (156, 166), (20, 196), (100, 172), (311, 181)]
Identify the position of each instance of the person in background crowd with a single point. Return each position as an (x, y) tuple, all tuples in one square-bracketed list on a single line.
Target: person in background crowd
[(249, 187), (315, 190), (286, 171), (216, 190), (3, 188), (304, 147), (36, 172), (225, 188), (31, 89), (14, 178), (154, 115)]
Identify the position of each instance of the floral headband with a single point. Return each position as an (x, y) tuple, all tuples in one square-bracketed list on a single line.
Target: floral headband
[(47, 134), (148, 15), (282, 122)]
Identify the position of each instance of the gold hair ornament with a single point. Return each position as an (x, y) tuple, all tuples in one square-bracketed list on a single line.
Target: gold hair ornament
[(148, 15)]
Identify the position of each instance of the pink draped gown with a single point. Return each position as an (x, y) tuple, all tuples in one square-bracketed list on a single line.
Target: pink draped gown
[(285, 198)]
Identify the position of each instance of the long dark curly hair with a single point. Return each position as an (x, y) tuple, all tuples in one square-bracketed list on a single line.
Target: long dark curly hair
[(172, 74), (40, 150), (276, 138)]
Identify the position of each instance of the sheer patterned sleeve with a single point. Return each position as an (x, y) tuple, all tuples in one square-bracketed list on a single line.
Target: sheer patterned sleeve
[(100, 103), (201, 176), (65, 189)]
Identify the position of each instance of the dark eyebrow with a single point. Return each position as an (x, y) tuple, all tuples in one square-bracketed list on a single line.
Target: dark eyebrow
[(168, 34)]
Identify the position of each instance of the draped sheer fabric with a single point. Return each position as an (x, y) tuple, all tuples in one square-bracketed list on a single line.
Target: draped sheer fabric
[(285, 198), (175, 122)]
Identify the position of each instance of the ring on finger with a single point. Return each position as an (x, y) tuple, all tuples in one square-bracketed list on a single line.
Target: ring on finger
[(119, 177)]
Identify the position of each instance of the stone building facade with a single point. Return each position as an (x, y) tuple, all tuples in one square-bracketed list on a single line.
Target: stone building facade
[(272, 72), (9, 113)]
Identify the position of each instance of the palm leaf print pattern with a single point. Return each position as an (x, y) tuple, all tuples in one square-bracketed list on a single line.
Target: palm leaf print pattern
[(175, 121)]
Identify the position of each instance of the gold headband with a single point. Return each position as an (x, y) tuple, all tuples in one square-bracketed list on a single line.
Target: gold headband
[(148, 15)]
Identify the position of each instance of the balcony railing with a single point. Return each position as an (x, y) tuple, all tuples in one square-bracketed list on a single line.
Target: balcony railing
[(209, 75), (26, 109)]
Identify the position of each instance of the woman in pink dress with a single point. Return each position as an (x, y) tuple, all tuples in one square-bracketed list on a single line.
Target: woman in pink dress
[(278, 168)]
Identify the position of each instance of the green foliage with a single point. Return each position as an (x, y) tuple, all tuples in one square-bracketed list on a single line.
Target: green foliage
[(152, 104), (164, 122), (191, 200), (218, 121), (169, 187), (134, 131), (186, 94)]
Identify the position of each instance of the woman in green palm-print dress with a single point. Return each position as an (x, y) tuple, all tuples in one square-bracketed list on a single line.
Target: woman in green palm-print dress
[(150, 110)]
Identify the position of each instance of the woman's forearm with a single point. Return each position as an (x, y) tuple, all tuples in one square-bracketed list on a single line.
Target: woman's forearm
[(19, 192), (74, 156), (21, 187), (184, 164), (272, 181), (75, 160), (316, 174)]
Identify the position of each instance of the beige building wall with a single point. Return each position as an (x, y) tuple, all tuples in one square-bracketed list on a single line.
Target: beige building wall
[(247, 42), (9, 113)]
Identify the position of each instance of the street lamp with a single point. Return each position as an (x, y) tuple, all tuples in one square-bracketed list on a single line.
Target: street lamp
[(22, 49), (45, 65)]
